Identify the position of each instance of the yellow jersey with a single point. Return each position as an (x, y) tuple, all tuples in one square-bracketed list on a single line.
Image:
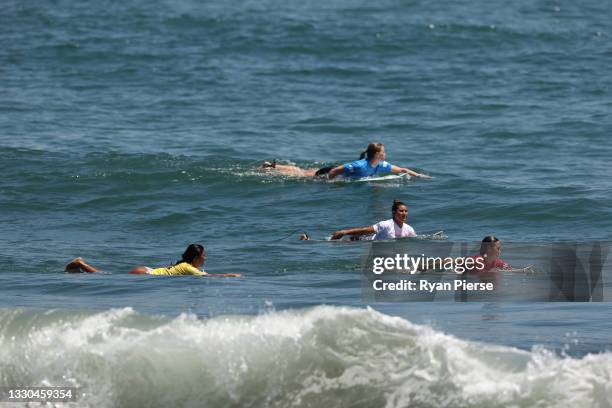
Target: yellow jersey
[(183, 268)]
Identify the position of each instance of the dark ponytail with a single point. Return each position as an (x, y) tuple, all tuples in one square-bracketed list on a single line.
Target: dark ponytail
[(192, 252), (371, 150)]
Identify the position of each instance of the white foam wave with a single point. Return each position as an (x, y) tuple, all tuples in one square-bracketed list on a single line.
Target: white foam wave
[(324, 356)]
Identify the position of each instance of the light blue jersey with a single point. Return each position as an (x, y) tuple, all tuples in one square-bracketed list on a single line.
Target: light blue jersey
[(361, 168)]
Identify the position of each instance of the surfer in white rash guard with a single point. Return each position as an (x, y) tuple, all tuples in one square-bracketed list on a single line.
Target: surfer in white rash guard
[(371, 163), (395, 227)]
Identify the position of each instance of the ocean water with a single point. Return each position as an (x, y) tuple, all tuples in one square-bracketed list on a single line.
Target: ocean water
[(129, 130)]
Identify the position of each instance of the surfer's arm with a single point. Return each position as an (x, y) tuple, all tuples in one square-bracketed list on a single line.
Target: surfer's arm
[(192, 270), (335, 172), (353, 231), (396, 169)]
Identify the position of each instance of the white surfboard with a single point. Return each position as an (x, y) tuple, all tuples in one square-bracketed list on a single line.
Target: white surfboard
[(375, 179)]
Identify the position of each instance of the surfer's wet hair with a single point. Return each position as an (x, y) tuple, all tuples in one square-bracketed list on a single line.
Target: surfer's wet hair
[(192, 252), (371, 150), (396, 205), (487, 243)]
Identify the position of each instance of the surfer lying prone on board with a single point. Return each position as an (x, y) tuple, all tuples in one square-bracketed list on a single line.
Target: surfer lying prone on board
[(371, 163), (190, 263), (395, 227), (487, 261)]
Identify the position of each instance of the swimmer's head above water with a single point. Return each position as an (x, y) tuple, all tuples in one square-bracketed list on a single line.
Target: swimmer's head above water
[(490, 247), (399, 211), (194, 255)]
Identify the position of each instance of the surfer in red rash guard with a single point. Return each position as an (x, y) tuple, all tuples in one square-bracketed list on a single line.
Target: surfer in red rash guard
[(488, 257)]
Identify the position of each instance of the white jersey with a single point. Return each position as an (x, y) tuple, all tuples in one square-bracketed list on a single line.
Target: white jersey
[(388, 229)]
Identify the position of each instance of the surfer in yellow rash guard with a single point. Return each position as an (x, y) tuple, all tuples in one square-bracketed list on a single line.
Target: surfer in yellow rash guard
[(191, 261), (190, 264)]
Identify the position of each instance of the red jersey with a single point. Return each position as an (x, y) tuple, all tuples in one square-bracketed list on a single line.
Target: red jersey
[(485, 273)]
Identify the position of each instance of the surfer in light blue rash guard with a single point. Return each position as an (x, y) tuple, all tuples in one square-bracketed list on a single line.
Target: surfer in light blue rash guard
[(371, 163)]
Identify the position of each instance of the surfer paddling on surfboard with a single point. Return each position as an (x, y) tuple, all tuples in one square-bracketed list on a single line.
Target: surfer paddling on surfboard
[(371, 163), (487, 261), (395, 227), (190, 263)]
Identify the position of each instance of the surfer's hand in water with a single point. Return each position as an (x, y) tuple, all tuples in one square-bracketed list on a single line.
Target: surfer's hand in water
[(415, 174), (337, 235), (411, 173)]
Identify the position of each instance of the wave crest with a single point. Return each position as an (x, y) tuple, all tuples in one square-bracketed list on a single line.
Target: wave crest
[(314, 357)]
